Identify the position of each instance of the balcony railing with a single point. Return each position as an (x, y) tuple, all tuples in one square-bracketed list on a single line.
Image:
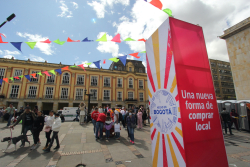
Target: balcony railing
[(48, 97), (106, 98), (106, 84), (13, 96), (93, 98), (130, 99), (64, 97), (50, 81), (119, 99), (29, 96), (79, 97), (119, 85)]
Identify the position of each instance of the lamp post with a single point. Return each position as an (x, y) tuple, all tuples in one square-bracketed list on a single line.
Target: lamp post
[(8, 19), (85, 93)]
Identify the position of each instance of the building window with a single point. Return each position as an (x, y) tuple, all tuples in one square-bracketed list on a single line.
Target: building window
[(79, 94), (93, 80), (17, 73), (49, 92), (130, 83), (130, 69), (141, 96), (119, 82), (51, 78), (32, 79), (2, 71), (32, 92), (130, 95), (140, 70), (64, 93), (106, 95), (14, 91), (141, 84), (93, 93), (215, 77), (80, 80), (106, 81), (65, 79), (119, 96), (120, 68)]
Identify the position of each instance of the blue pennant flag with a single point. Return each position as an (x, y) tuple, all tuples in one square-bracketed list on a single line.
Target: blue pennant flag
[(59, 71), (86, 40), (97, 63), (123, 59), (1, 81), (17, 45), (28, 77)]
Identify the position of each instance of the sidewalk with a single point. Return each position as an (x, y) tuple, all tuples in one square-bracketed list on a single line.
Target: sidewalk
[(78, 145)]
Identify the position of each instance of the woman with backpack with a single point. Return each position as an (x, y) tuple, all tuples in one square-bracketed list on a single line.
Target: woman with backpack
[(131, 126)]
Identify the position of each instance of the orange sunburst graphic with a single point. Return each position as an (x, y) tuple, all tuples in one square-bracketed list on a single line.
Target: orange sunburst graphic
[(166, 128)]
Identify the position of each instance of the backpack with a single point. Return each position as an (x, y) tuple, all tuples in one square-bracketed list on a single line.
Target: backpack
[(120, 117)]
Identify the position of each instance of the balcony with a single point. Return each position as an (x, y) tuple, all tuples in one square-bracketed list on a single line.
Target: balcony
[(119, 99), (64, 97), (106, 98), (80, 83), (106, 84), (29, 96), (49, 81), (13, 96), (93, 98), (48, 97), (130, 99), (65, 82), (79, 98)]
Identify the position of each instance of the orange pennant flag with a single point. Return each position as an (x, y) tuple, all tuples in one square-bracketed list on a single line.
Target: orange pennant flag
[(16, 77), (33, 75), (1, 41), (46, 72), (65, 68), (81, 65), (135, 55), (104, 61), (70, 40), (142, 40), (157, 3), (6, 80), (46, 41)]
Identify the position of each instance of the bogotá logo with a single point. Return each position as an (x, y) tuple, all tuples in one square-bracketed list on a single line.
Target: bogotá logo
[(163, 111)]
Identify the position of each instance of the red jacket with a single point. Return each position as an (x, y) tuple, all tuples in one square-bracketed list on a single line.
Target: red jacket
[(101, 118), (94, 115)]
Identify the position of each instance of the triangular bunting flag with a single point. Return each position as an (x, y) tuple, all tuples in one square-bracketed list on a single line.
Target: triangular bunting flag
[(86, 40), (116, 38), (52, 72), (88, 63), (114, 59), (20, 76), (17, 45), (81, 65), (11, 78), (6, 80), (129, 39), (143, 52), (46, 41), (97, 64), (39, 73), (59, 71), (156, 3), (123, 59), (135, 55), (65, 68), (59, 42), (168, 11), (73, 66), (103, 38), (104, 61), (31, 44), (142, 40), (33, 75), (27, 76), (16, 77), (70, 40), (1, 81), (46, 73), (1, 41)]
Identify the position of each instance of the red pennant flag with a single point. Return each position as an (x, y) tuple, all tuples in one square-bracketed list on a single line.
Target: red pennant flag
[(157, 3), (46, 41), (116, 38), (1, 41), (70, 40), (104, 61), (81, 65), (16, 77), (46, 72), (142, 40), (135, 55), (33, 75), (65, 68), (6, 80)]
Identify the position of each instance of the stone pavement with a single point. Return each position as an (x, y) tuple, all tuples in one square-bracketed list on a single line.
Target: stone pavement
[(78, 145)]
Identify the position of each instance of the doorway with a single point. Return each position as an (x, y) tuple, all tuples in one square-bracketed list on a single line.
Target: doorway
[(61, 105)]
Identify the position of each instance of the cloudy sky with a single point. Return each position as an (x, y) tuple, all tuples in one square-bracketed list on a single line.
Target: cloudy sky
[(58, 19)]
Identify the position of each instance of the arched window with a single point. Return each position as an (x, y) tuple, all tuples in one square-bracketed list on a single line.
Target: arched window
[(130, 83), (65, 79)]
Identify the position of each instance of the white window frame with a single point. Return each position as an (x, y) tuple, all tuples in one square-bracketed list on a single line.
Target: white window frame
[(141, 96), (32, 92), (14, 94), (32, 79), (94, 81), (119, 83), (64, 93), (141, 85), (132, 95), (119, 97), (105, 83), (79, 94), (106, 95), (95, 91), (49, 92), (131, 86), (52, 78), (80, 80), (66, 78), (17, 73), (2, 73), (130, 69)]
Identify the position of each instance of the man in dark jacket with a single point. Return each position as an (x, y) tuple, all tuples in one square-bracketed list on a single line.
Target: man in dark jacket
[(27, 118), (227, 120)]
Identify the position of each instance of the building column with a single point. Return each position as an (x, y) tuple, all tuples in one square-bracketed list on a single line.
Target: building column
[(39, 104), (100, 90), (72, 87), (55, 106), (6, 85), (20, 104)]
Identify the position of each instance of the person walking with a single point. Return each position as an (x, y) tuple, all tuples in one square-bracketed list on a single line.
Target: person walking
[(11, 111), (139, 119), (49, 120), (100, 110), (27, 118), (99, 125), (108, 125), (123, 112), (227, 120), (94, 117), (144, 115), (55, 128), (82, 113), (127, 114), (131, 125), (35, 110), (37, 128), (234, 118)]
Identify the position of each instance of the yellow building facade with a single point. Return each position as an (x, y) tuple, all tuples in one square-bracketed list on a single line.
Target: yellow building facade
[(107, 86)]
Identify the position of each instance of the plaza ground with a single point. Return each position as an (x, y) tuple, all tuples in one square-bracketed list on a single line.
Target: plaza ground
[(78, 145)]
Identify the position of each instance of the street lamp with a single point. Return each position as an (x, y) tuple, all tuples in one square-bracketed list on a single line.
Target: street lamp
[(8, 19), (85, 93)]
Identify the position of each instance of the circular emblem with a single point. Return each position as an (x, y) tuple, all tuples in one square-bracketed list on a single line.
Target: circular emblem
[(163, 111)]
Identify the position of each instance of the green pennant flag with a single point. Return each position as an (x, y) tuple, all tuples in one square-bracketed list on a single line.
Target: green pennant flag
[(143, 52), (73, 66), (59, 42), (129, 39), (88, 63), (20, 76), (168, 11), (31, 44), (39, 73), (103, 38), (11, 78), (52, 71), (114, 59)]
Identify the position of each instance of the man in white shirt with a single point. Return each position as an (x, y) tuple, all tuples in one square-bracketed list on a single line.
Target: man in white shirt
[(100, 110)]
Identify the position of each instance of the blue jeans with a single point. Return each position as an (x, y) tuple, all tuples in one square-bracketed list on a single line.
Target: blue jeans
[(99, 126), (131, 133), (229, 126), (107, 133), (117, 135), (26, 129), (94, 123), (9, 120)]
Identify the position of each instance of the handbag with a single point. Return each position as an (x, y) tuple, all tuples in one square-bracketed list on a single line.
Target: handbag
[(117, 127), (133, 125), (47, 129)]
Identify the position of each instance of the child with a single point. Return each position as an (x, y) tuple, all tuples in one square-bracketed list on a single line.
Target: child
[(108, 125)]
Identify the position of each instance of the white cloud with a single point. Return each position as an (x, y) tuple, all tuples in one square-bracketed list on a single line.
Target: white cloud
[(100, 5), (108, 47), (45, 48), (85, 65), (1, 52), (65, 10), (130, 57), (77, 58), (64, 31), (8, 56), (7, 52), (35, 58), (89, 52), (75, 5)]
